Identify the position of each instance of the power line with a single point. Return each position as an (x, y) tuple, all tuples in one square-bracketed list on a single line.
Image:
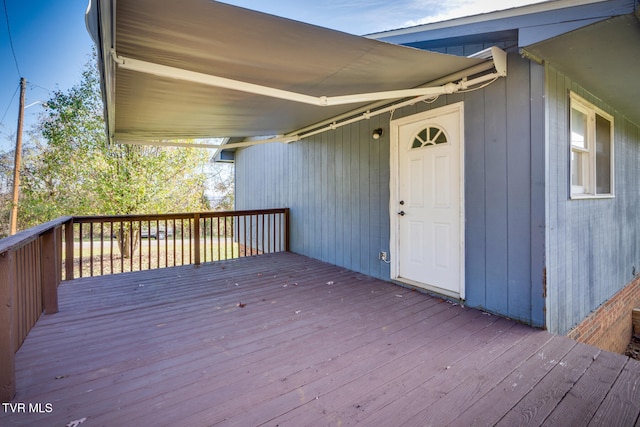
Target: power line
[(33, 85), (15, 59), (10, 102)]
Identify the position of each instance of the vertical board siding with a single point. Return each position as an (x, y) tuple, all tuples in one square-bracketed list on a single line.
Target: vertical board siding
[(497, 205), (337, 187), (592, 249), (476, 208), (519, 142), (539, 164)]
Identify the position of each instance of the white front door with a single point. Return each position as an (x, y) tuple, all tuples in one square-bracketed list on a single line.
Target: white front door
[(427, 208)]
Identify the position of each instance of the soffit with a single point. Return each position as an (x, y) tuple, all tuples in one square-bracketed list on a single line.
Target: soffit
[(604, 58)]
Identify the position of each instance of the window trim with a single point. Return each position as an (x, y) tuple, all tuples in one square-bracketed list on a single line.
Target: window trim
[(590, 110)]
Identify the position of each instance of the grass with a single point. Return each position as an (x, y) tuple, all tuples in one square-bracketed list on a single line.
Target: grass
[(150, 254)]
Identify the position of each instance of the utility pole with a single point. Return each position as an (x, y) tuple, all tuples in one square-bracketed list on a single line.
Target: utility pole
[(13, 223)]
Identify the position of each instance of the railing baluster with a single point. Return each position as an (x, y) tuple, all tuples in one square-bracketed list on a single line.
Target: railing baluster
[(69, 249), (130, 243), (226, 236), (148, 244), (203, 230), (158, 234), (196, 239), (272, 233), (22, 291), (174, 242), (263, 233), (184, 229), (101, 248), (166, 246), (276, 233), (121, 246), (59, 255), (137, 242), (111, 234), (91, 249), (208, 231), (80, 261), (218, 234), (50, 258), (211, 241), (283, 234)]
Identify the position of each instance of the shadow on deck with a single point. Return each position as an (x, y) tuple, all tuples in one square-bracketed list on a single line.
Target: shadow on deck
[(287, 340)]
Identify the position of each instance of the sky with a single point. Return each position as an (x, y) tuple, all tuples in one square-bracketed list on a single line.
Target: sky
[(51, 44)]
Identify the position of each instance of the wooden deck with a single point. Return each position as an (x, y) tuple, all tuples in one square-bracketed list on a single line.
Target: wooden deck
[(286, 340)]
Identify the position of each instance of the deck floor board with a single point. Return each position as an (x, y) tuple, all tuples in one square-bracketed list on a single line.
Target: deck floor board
[(283, 339)]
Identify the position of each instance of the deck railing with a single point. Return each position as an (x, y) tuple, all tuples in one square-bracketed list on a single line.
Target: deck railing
[(30, 272), (32, 261), (116, 244)]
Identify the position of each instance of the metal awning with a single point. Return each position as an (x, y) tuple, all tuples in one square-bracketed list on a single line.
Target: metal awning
[(200, 69)]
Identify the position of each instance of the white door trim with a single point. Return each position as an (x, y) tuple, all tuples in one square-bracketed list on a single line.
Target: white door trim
[(394, 244)]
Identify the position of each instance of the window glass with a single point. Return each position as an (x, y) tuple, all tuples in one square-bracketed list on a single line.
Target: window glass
[(603, 155), (591, 138), (578, 178), (431, 135), (578, 128)]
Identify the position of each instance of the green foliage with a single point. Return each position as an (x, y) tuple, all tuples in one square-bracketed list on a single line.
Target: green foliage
[(78, 172)]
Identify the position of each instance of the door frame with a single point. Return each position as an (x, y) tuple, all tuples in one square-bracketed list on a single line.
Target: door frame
[(394, 183)]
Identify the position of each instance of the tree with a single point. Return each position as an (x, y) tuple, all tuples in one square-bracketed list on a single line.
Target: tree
[(76, 171), (221, 177), (6, 178)]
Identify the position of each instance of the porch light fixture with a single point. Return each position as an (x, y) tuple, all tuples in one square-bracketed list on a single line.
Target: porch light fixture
[(377, 133)]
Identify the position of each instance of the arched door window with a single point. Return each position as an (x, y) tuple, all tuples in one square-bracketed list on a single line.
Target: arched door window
[(431, 135)]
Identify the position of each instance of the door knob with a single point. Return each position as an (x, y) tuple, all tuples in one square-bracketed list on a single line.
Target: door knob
[(401, 213), (402, 202)]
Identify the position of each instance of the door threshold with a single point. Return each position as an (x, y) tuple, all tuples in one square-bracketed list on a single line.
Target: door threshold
[(423, 287)]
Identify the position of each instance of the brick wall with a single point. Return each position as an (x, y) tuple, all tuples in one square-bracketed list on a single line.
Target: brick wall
[(610, 326)]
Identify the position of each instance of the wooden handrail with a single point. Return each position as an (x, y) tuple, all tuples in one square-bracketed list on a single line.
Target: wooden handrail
[(24, 237), (153, 217)]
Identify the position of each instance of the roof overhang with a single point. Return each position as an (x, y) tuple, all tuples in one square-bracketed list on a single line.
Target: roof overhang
[(200, 69), (594, 42), (604, 58)]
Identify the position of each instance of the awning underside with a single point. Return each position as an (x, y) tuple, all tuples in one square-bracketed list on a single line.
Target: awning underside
[(225, 41), (603, 57)]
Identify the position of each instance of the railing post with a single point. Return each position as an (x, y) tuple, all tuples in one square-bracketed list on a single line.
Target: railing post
[(68, 242), (50, 259), (286, 230), (196, 237), (7, 350), (59, 254)]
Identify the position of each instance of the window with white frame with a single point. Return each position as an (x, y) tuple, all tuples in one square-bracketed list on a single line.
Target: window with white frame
[(591, 150)]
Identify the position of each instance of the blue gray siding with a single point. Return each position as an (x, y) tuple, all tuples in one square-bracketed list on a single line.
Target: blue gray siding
[(593, 247), (337, 186)]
